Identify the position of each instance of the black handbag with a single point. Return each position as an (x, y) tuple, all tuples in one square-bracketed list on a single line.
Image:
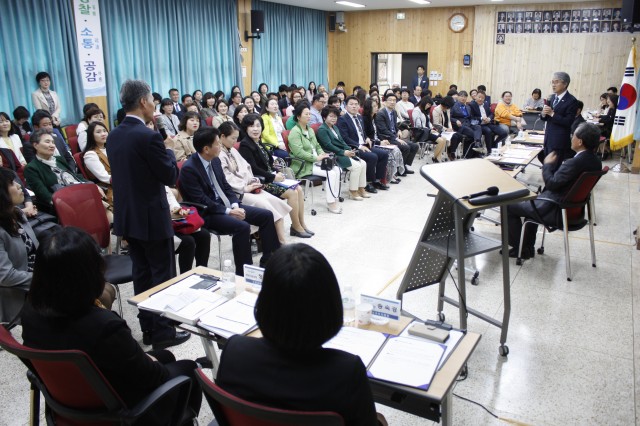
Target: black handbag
[(43, 224), (328, 163)]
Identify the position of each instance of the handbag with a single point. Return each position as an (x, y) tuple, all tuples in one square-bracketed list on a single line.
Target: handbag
[(328, 163), (189, 224), (43, 224)]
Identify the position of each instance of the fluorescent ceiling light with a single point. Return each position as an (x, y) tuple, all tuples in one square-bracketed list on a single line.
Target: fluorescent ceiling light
[(348, 3), (496, 0), (421, 1)]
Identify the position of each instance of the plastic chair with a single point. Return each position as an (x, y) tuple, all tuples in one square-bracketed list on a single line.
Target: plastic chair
[(493, 107), (571, 217), (72, 141), (76, 392), (81, 206), (79, 159), (230, 410), (315, 127), (284, 120), (70, 131), (209, 121)]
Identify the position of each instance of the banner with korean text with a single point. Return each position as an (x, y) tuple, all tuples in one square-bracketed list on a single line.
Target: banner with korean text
[(89, 36)]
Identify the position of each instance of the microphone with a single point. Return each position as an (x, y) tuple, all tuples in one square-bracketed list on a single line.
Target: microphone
[(548, 101), (492, 190)]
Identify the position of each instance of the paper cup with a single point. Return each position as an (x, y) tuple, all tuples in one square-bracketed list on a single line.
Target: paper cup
[(363, 313), (228, 289)]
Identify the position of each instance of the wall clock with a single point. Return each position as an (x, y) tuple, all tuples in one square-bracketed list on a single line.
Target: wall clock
[(457, 22)]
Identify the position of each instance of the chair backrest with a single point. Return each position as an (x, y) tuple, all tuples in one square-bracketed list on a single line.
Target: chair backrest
[(285, 138), (72, 141), (284, 112), (493, 107), (410, 112), (209, 121), (69, 376), (284, 120), (578, 196), (315, 127), (81, 206), (70, 131), (233, 411), (431, 112), (79, 158)]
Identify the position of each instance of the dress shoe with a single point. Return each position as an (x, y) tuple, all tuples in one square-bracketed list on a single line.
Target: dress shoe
[(527, 253), (363, 193), (299, 234), (336, 210), (178, 339), (371, 189), (353, 195), (395, 181), (435, 160), (408, 171), (146, 338), (309, 232), (380, 185)]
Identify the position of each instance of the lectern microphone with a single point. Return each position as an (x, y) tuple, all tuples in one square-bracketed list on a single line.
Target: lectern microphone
[(492, 190)]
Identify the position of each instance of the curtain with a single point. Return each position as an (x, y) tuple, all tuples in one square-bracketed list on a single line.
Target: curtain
[(39, 35), (186, 44), (293, 48)]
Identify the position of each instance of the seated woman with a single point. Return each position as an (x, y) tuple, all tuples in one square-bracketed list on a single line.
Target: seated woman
[(606, 120), (273, 128), (234, 101), (294, 98), (311, 91), (61, 314), (20, 123), (249, 103), (91, 115), (508, 113), (257, 108), (47, 173), (222, 108), (429, 134), (290, 353), (17, 251), (10, 140), (306, 156), (603, 108), (240, 113), (239, 176), (168, 120), (208, 109), (183, 141), (395, 163), (535, 102), (197, 99), (95, 159), (331, 141), (261, 163)]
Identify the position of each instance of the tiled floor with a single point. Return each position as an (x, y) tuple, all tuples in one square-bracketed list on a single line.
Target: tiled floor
[(574, 346)]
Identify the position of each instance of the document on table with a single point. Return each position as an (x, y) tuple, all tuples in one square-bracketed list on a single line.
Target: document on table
[(364, 343), (234, 317), (183, 304), (408, 361), (454, 338)]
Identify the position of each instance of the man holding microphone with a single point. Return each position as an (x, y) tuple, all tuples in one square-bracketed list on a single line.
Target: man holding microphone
[(559, 112)]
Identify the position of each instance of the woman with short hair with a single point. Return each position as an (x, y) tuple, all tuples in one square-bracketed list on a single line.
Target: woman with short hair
[(235, 100), (508, 113), (273, 128), (535, 102), (222, 108), (183, 142), (45, 98), (91, 115), (208, 106), (168, 120), (290, 351)]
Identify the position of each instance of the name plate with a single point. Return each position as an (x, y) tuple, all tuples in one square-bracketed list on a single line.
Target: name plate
[(253, 276), (385, 308)]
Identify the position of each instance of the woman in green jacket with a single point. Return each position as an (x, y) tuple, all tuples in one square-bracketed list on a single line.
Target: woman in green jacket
[(306, 155)]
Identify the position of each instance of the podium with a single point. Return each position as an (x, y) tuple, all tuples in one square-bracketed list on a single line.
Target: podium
[(447, 235)]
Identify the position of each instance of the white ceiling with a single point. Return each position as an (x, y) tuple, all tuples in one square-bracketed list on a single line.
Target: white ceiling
[(330, 5)]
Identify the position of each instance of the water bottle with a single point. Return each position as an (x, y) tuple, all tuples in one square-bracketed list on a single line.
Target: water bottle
[(228, 272), (348, 305)]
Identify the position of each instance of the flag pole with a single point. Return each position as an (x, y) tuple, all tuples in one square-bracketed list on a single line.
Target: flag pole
[(621, 167)]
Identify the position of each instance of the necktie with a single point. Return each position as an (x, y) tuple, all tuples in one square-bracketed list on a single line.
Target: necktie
[(464, 110), (359, 127), (555, 102), (392, 123), (219, 192), (176, 107)]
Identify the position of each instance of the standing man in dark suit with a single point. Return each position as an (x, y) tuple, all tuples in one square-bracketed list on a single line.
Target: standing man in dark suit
[(420, 79), (387, 124), (141, 167), (351, 128), (559, 115), (558, 179), (202, 181)]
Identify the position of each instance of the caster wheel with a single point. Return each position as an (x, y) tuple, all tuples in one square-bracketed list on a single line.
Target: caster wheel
[(593, 264), (313, 212), (503, 350), (464, 372), (472, 228), (568, 279), (341, 199), (518, 261), (440, 317), (540, 250), (475, 281)]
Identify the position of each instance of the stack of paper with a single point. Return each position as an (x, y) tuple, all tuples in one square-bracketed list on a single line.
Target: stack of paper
[(234, 317), (356, 341), (181, 304)]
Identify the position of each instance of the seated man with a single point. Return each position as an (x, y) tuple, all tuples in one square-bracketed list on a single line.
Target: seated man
[(557, 181), (464, 124), (387, 124), (417, 96), (202, 181), (481, 112), (579, 118), (351, 127)]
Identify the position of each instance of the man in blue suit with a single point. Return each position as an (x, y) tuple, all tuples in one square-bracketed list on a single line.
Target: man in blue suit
[(420, 79), (351, 129), (559, 115), (202, 181), (141, 166)]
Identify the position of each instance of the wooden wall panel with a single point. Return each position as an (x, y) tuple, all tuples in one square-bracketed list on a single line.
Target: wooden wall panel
[(525, 61)]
